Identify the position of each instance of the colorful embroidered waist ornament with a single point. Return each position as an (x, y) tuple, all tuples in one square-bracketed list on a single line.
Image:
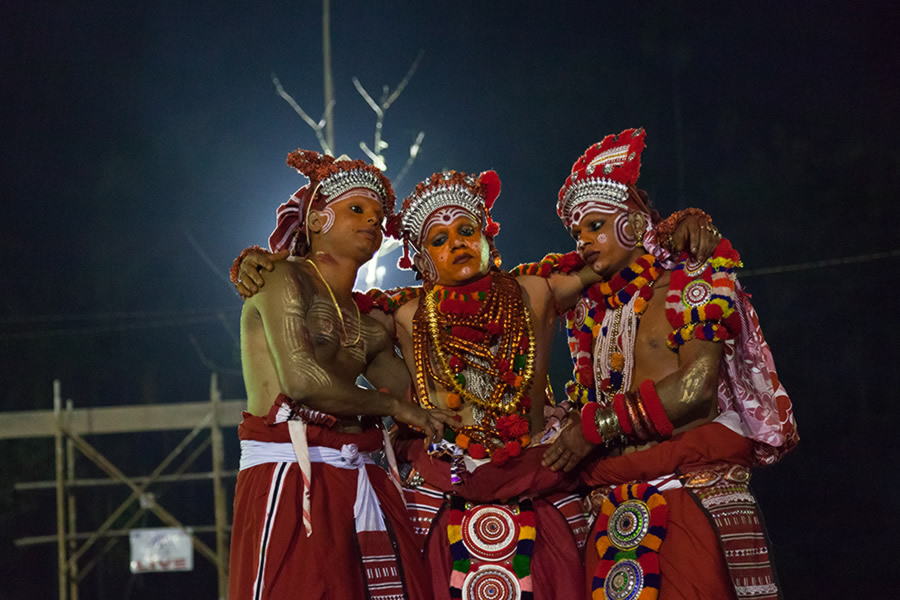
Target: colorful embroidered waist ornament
[(632, 526), (491, 546)]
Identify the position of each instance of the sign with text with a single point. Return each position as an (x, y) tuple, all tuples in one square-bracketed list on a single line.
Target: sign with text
[(159, 550)]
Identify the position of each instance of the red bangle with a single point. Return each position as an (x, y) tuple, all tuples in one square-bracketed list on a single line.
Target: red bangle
[(622, 414), (641, 432), (588, 426), (646, 422), (655, 409)]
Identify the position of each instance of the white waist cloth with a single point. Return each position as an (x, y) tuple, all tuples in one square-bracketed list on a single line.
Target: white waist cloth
[(366, 509)]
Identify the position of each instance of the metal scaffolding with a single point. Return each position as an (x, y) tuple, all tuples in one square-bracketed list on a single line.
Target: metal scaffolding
[(69, 426)]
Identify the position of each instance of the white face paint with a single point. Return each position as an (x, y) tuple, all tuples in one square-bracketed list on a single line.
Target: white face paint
[(429, 271), (583, 209), (328, 211), (624, 236)]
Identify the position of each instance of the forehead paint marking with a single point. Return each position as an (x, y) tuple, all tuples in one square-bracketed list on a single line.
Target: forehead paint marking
[(585, 208), (444, 216), (364, 192)]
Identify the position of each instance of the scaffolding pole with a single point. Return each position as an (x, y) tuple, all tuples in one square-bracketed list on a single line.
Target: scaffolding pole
[(60, 492)]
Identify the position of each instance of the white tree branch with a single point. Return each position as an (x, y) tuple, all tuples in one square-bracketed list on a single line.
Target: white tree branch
[(316, 127)]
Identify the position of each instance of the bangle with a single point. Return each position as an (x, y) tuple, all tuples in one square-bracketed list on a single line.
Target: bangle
[(588, 423), (622, 414), (236, 265), (640, 432), (607, 423), (641, 409), (655, 409)]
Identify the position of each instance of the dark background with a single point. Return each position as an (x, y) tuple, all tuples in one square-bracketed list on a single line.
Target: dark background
[(144, 147)]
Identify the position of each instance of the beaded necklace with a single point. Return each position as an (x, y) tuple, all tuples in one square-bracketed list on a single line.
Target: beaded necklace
[(492, 340), (596, 342), (627, 294)]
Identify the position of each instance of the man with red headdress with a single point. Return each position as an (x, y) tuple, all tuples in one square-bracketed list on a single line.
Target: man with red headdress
[(313, 514), (677, 388)]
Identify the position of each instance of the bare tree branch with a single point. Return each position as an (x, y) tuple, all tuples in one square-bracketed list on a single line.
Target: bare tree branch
[(316, 127), (402, 85), (413, 153), (362, 92)]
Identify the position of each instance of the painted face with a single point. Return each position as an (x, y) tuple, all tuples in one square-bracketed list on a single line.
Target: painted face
[(354, 222), (457, 251), (605, 241)]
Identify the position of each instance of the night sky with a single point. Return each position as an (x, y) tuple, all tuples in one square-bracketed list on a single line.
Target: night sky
[(144, 146)]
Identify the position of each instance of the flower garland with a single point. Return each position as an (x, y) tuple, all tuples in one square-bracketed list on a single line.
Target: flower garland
[(583, 325), (552, 263), (701, 299), (387, 301), (462, 560), (633, 279), (458, 328), (631, 527)]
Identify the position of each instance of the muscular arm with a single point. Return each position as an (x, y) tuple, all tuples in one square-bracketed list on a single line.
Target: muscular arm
[(282, 307), (689, 234), (567, 288), (690, 391), (538, 298), (388, 371)]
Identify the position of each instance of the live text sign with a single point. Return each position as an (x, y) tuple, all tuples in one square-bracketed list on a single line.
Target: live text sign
[(159, 550)]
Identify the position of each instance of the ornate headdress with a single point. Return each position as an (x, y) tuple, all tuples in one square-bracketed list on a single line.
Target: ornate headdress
[(329, 179), (450, 189), (605, 174)]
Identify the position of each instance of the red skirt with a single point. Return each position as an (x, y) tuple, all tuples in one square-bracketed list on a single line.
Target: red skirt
[(556, 566), (691, 561), (271, 556)]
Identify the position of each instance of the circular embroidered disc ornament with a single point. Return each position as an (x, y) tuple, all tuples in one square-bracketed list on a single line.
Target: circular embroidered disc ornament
[(581, 310), (489, 582), (490, 532), (628, 524), (696, 293), (625, 581), (629, 531)]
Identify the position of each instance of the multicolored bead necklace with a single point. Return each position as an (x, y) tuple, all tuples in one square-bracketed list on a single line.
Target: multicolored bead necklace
[(597, 332), (485, 328)]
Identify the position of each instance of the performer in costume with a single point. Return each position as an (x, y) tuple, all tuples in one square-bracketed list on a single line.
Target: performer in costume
[(476, 337), (313, 514), (676, 385), (477, 345)]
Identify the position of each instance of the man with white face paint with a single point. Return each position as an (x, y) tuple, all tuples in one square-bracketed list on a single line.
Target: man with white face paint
[(677, 388), (313, 514)]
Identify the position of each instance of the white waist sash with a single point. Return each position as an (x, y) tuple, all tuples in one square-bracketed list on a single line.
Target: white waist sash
[(366, 509)]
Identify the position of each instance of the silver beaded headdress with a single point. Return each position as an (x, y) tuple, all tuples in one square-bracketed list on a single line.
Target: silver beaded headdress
[(602, 175), (475, 194)]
